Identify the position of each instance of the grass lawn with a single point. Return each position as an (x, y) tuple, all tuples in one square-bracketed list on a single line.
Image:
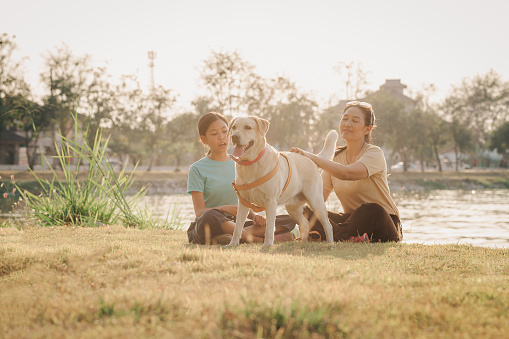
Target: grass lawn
[(118, 282)]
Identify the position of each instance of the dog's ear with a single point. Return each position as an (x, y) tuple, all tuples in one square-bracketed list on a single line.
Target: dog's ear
[(263, 125), (230, 126)]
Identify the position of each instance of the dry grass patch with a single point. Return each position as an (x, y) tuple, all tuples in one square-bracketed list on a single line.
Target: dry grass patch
[(119, 282)]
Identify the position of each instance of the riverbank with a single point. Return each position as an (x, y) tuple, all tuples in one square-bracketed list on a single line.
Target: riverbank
[(170, 182), (121, 282), (467, 179)]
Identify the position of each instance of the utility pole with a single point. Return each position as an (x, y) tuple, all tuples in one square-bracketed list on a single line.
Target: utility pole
[(151, 56)]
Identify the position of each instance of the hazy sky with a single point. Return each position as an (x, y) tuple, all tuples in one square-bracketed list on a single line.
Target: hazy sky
[(420, 42)]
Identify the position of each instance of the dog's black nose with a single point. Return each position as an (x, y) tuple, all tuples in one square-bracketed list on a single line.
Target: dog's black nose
[(235, 139)]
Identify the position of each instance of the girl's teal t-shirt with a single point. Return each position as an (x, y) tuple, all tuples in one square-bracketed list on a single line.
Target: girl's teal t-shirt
[(214, 179)]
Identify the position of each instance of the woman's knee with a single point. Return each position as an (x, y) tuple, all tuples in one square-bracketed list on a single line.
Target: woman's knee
[(372, 208)]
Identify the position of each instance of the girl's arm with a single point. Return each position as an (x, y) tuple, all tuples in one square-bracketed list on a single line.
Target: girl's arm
[(326, 194), (355, 171), (199, 205), (199, 208)]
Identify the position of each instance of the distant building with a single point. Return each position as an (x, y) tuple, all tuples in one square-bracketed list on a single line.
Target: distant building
[(13, 145), (393, 86), (10, 143), (396, 88)]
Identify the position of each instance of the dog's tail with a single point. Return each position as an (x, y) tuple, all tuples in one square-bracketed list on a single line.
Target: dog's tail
[(329, 146)]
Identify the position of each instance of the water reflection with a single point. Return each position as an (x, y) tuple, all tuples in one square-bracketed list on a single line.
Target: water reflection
[(433, 217)]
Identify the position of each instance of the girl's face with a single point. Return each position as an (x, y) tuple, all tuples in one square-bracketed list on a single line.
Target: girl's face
[(216, 136), (353, 125)]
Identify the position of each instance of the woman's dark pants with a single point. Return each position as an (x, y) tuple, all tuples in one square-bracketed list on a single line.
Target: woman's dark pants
[(370, 218)]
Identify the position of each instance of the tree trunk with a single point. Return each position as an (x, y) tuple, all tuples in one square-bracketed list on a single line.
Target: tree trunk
[(437, 157), (456, 154), (150, 161), (421, 160), (177, 163)]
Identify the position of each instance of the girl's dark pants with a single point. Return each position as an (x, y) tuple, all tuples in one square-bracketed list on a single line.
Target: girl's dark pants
[(208, 225), (370, 218)]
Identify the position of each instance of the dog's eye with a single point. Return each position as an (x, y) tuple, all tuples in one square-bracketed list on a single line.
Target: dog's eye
[(249, 127)]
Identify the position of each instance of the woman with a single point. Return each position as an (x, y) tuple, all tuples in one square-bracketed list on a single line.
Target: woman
[(214, 200), (358, 175)]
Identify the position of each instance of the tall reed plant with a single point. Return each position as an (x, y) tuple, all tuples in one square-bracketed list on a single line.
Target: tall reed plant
[(100, 199)]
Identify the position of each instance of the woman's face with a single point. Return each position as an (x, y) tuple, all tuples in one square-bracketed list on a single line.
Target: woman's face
[(216, 136), (352, 126)]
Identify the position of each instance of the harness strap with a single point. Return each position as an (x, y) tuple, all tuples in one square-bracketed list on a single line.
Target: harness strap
[(254, 207), (289, 174), (259, 182), (312, 237)]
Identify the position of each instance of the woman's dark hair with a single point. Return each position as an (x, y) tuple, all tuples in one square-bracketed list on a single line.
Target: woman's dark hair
[(369, 120), (206, 120)]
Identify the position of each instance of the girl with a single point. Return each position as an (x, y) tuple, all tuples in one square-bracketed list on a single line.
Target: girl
[(214, 200), (358, 175)]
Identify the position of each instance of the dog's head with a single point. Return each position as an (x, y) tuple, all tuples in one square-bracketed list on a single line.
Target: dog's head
[(248, 136)]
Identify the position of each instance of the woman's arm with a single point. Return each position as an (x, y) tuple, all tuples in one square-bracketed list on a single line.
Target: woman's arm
[(355, 171)]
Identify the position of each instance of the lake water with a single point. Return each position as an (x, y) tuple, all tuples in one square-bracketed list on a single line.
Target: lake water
[(478, 218)]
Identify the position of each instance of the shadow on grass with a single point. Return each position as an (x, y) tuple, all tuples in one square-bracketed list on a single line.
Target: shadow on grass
[(342, 250)]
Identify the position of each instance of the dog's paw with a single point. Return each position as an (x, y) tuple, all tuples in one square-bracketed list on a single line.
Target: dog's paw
[(268, 243), (233, 243), (265, 248)]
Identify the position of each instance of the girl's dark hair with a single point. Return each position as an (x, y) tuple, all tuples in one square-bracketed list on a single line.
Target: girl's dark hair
[(206, 120), (369, 120)]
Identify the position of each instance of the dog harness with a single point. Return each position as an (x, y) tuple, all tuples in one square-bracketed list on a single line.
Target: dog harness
[(260, 181)]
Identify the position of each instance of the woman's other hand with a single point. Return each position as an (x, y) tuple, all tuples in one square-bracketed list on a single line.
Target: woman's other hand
[(230, 209), (259, 220)]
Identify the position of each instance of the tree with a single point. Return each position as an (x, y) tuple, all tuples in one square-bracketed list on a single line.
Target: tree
[(158, 104), (355, 78), (98, 101), (479, 104), (126, 133), (11, 81), (419, 141), (290, 112), (182, 136), (16, 107), (230, 81), (499, 138), (429, 130), (438, 133), (393, 119), (68, 78), (463, 139)]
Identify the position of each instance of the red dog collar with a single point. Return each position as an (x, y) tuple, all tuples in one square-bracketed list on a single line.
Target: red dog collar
[(248, 162)]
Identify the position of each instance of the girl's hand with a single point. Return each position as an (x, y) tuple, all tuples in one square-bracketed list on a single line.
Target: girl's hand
[(258, 220)]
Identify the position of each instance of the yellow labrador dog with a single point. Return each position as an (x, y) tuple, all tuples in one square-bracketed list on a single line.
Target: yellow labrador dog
[(266, 178)]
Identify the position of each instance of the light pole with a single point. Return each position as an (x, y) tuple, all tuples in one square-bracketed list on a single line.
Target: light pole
[(151, 56)]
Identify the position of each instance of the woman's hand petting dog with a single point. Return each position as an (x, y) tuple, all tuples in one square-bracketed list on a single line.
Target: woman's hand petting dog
[(300, 151)]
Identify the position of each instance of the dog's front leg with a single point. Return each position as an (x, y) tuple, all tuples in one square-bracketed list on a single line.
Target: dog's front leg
[(270, 215), (242, 212)]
